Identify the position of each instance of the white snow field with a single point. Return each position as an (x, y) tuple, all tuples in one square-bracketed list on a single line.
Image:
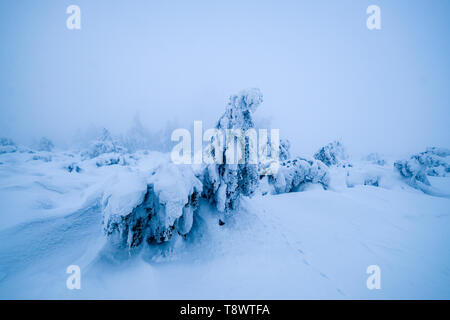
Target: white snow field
[(310, 244)]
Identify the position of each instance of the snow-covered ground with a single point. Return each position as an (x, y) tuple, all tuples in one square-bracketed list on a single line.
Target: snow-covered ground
[(311, 244)]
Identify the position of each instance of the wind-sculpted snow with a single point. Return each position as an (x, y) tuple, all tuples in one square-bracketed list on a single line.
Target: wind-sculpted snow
[(151, 210), (333, 154)]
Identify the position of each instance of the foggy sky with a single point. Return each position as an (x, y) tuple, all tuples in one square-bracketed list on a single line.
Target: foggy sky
[(323, 74)]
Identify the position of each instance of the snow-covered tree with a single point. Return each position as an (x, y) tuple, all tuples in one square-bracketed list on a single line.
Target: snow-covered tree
[(226, 183), (414, 171), (375, 158), (7, 145), (137, 210), (45, 144), (436, 161), (333, 154), (104, 144), (432, 162), (296, 172), (285, 146)]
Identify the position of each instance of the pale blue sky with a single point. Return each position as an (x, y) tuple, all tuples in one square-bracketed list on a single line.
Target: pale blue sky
[(324, 75)]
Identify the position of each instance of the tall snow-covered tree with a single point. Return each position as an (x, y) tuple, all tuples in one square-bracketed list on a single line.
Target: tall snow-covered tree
[(225, 183)]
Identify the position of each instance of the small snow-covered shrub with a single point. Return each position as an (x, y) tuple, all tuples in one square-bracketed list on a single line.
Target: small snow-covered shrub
[(45, 144), (104, 144), (296, 172), (224, 184), (435, 160), (43, 157), (432, 162), (138, 211), (109, 159), (7, 146), (333, 154), (375, 158), (365, 176), (412, 170)]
